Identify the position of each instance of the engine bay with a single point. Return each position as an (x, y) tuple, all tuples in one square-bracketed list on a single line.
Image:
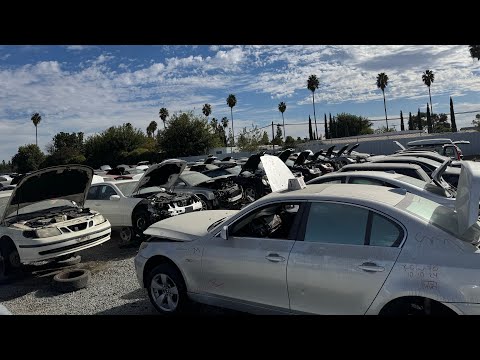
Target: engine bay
[(45, 218)]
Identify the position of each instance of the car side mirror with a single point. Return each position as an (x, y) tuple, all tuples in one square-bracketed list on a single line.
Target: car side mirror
[(224, 233), (115, 197)]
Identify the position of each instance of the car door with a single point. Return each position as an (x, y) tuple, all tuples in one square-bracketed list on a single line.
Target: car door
[(250, 266), (345, 257), (98, 198)]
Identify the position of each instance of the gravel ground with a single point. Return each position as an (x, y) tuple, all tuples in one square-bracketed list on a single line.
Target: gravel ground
[(113, 288)]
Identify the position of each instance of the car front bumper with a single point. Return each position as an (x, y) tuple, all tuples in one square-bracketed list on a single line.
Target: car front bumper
[(464, 308), (140, 262)]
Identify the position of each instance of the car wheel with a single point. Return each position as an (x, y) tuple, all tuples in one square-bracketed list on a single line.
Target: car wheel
[(126, 235), (166, 290), (249, 194), (205, 203), (11, 258), (141, 221)]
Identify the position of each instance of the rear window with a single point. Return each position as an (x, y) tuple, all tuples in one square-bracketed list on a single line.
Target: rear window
[(437, 215)]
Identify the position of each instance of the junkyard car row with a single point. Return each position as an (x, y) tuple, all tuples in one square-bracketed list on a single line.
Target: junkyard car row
[(335, 232)]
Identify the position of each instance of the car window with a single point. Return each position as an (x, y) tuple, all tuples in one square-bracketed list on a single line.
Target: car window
[(92, 193), (449, 151), (336, 223), (272, 221), (384, 232), (365, 181), (331, 180), (408, 172), (105, 192)]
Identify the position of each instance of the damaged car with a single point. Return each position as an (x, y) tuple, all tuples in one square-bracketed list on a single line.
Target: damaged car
[(44, 218), (214, 193), (133, 205)]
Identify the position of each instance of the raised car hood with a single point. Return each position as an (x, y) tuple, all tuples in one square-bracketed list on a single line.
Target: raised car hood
[(277, 172), (187, 227), (163, 175), (437, 174), (252, 163), (468, 195), (69, 182), (285, 154)]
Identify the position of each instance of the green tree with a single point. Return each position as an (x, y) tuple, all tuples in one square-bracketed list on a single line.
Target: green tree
[(330, 126), (187, 135), (290, 142), (265, 140), (382, 82), (151, 128), (219, 132), (352, 125), (419, 121), (476, 122), (442, 124), (282, 107), (163, 114), (326, 128), (231, 102), (410, 122), (474, 51), (207, 110), (312, 85), (429, 120), (428, 77), (28, 158), (452, 116), (402, 125), (278, 140), (36, 118), (249, 140), (383, 129), (224, 122), (310, 131)]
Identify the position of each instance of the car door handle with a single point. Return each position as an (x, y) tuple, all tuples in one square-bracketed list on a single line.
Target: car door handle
[(274, 258), (371, 267)]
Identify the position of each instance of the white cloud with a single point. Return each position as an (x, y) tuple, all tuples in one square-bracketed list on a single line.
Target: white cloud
[(78, 47), (5, 57)]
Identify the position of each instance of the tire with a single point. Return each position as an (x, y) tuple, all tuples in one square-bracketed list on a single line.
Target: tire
[(11, 258), (140, 222), (68, 260), (126, 235), (71, 280), (166, 274), (206, 205)]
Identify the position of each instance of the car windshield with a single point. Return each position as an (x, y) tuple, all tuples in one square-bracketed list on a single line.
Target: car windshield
[(194, 178), (434, 189), (439, 216), (128, 187)]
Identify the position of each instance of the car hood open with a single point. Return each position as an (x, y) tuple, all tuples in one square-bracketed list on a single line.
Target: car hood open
[(468, 196), (163, 175), (68, 182), (277, 172), (437, 175)]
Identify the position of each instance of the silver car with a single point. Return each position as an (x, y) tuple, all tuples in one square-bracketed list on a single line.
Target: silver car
[(323, 249)]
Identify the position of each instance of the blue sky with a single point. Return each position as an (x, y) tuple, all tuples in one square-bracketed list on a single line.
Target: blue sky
[(89, 88)]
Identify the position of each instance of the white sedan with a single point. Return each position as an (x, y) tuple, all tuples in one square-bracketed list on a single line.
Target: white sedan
[(43, 218), (323, 249), (132, 205)]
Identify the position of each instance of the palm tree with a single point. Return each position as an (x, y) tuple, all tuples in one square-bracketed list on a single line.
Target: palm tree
[(382, 82), (207, 110), (474, 51), (312, 85), (428, 77), (224, 122), (36, 118), (231, 102), (163, 113), (151, 128), (282, 107)]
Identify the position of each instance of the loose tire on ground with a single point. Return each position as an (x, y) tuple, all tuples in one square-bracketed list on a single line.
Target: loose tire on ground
[(167, 290), (71, 280)]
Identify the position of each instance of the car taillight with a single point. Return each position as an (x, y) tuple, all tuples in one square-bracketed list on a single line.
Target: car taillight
[(459, 153)]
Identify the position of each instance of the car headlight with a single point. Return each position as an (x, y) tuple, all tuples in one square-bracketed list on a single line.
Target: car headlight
[(98, 219), (47, 232)]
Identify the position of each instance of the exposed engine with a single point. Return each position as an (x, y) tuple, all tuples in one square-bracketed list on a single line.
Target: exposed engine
[(166, 204), (51, 218), (228, 194)]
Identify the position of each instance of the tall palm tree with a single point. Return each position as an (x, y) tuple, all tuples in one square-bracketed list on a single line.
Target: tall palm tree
[(163, 114), (207, 110), (231, 102), (474, 51), (382, 82), (312, 85), (36, 118), (282, 107), (224, 122), (428, 77), (151, 128)]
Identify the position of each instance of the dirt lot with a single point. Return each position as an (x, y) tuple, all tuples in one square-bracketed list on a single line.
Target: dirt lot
[(113, 288)]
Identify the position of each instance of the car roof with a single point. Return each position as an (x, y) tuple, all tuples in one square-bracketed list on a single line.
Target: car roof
[(429, 142), (380, 165), (409, 158), (372, 174), (372, 193)]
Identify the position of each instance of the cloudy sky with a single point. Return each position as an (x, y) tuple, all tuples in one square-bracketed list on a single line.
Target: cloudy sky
[(89, 88)]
